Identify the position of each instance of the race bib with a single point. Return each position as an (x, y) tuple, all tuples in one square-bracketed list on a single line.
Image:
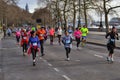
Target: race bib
[(68, 41), (34, 44), (41, 35), (24, 37), (113, 40)]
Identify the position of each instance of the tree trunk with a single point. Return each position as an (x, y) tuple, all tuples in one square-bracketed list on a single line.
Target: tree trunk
[(106, 16), (74, 16), (106, 22), (85, 13), (64, 14)]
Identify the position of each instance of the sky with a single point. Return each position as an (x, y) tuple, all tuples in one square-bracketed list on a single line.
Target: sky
[(31, 3)]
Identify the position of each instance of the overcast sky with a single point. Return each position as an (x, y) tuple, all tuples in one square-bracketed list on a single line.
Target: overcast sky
[(31, 3)]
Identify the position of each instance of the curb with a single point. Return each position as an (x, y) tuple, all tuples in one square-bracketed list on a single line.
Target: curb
[(100, 44)]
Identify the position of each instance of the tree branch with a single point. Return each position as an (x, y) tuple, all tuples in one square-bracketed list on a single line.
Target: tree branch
[(113, 8)]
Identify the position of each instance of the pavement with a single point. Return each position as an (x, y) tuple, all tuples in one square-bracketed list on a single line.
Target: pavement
[(98, 38), (86, 63)]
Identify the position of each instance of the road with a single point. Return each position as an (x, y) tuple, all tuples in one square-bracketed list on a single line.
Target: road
[(87, 63)]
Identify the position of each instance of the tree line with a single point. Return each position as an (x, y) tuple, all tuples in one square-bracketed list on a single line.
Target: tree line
[(12, 15), (65, 10)]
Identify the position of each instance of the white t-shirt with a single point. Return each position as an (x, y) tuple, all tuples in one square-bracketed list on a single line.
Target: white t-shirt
[(59, 31)]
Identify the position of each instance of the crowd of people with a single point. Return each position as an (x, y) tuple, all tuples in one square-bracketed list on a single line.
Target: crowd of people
[(32, 39)]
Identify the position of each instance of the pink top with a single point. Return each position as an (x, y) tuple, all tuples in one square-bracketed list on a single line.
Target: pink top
[(77, 33), (18, 33), (51, 31)]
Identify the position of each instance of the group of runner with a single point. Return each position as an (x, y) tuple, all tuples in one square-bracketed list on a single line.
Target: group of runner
[(32, 40)]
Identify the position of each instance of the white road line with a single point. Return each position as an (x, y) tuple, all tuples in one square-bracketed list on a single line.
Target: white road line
[(40, 57), (67, 78), (45, 60), (56, 69), (98, 56), (9, 48), (0, 70), (77, 60), (50, 65)]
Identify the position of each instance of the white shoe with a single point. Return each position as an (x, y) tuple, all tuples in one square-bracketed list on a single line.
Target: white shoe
[(68, 59), (108, 58), (112, 59)]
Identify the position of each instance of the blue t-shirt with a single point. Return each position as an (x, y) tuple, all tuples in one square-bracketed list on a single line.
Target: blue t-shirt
[(34, 41), (67, 40)]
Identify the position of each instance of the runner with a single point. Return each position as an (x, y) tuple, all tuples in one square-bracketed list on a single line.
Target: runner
[(59, 32), (111, 43), (67, 41), (84, 31), (77, 34), (46, 34), (41, 33), (9, 31), (22, 32), (51, 32), (18, 36), (24, 43), (70, 31), (34, 44)]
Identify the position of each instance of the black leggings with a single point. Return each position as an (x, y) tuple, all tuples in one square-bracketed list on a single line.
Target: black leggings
[(67, 51), (59, 38), (34, 52), (18, 38), (51, 38), (78, 41), (42, 46), (24, 47)]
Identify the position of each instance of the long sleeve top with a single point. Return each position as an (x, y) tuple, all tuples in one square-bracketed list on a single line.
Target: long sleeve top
[(34, 41), (77, 33)]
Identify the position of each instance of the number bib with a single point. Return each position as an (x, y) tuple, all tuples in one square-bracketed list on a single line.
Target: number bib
[(24, 37), (112, 40), (67, 41), (34, 44)]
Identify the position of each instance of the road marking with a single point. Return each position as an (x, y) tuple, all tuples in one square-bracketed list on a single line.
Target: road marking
[(67, 78), (9, 48), (45, 60), (0, 70), (77, 60), (98, 56), (49, 64), (40, 57), (56, 69)]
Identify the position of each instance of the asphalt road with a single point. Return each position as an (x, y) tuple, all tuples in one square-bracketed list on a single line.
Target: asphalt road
[(87, 63)]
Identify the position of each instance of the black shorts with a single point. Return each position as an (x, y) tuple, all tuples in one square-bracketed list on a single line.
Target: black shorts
[(110, 48), (59, 36)]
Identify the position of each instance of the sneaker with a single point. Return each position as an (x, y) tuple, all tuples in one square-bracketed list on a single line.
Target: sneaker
[(112, 59), (34, 64), (108, 59), (42, 54), (68, 59)]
